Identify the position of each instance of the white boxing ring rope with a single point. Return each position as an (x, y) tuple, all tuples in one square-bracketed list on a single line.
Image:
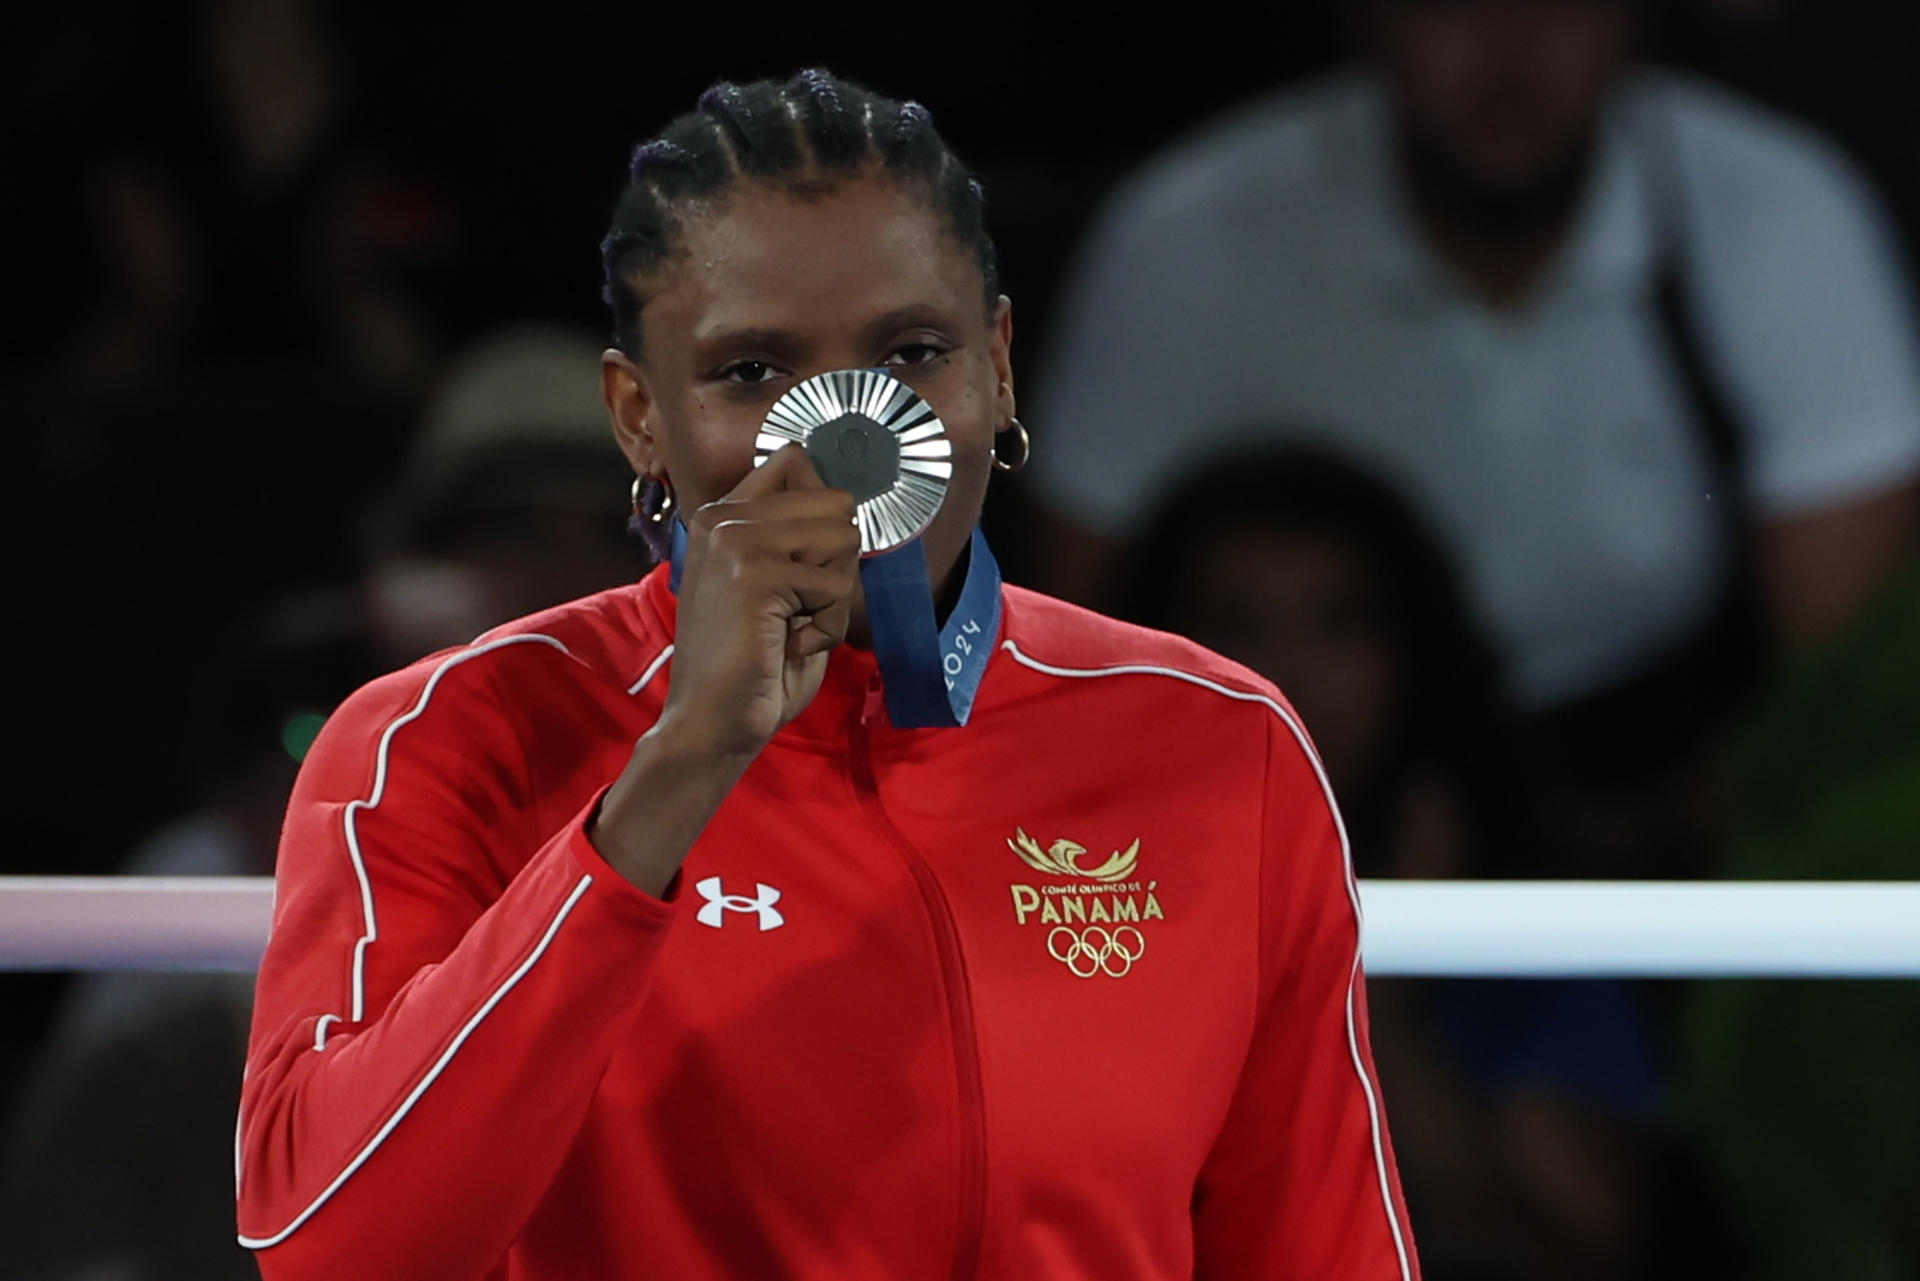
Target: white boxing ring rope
[(1510, 929)]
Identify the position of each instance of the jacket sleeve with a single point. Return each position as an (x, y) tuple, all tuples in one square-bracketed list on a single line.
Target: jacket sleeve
[(1301, 1181), (443, 986)]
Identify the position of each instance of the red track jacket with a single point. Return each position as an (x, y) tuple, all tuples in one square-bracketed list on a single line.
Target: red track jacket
[(1073, 992)]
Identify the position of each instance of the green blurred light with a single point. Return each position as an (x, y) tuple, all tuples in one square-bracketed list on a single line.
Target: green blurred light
[(300, 731)]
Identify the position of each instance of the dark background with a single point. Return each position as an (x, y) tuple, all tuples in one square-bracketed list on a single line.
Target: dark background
[(151, 521)]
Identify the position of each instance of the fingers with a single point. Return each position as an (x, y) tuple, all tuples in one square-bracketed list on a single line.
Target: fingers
[(794, 550), (834, 506), (823, 630), (803, 568), (815, 592), (809, 639), (775, 500), (820, 606), (812, 501), (807, 540), (771, 574), (790, 468)]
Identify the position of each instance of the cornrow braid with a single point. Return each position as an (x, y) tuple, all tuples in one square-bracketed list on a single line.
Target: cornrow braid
[(838, 126), (760, 136), (811, 129)]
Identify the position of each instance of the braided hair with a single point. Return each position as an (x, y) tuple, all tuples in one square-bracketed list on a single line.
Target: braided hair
[(805, 135)]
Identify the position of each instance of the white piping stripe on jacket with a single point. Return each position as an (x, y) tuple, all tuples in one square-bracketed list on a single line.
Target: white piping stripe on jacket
[(261, 1243), (357, 1007), (373, 799), (1353, 890), (652, 668)]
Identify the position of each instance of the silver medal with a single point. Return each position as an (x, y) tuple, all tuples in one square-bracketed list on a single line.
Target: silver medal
[(871, 435)]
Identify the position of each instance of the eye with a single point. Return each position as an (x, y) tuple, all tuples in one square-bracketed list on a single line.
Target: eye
[(748, 373), (916, 353)]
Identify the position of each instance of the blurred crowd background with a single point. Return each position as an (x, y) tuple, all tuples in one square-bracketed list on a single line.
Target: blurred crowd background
[(1530, 387)]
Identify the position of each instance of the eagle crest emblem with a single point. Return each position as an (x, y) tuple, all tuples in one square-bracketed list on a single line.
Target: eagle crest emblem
[(1062, 858)]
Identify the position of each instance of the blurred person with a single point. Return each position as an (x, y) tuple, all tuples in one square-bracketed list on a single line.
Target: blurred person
[(253, 320), (117, 1160), (668, 933), (245, 212), (1804, 1092), (1526, 1114), (1639, 351), (511, 500)]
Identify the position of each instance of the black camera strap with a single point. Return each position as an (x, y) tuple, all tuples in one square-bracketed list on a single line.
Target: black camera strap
[(1679, 699)]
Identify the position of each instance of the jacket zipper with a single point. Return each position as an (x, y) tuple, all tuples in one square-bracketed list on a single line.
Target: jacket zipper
[(959, 994)]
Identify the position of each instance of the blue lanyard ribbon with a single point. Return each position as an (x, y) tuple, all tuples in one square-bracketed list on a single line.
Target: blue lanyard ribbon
[(930, 672)]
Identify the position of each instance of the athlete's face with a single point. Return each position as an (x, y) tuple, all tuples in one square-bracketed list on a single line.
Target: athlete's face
[(773, 288)]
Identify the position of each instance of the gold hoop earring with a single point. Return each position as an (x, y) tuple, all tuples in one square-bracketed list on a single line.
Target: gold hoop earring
[(1026, 449)]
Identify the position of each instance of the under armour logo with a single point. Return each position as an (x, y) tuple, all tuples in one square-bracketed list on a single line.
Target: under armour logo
[(719, 903)]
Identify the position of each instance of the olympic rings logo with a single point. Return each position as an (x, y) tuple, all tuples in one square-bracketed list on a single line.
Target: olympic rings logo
[(1095, 950)]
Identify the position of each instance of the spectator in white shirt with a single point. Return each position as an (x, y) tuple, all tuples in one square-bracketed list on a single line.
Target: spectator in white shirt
[(1450, 264)]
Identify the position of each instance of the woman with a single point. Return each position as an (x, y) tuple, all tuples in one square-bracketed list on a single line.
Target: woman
[(634, 940), (1526, 1112)]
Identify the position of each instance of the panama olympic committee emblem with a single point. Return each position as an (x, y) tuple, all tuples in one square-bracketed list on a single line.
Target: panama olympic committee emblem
[(1095, 915)]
